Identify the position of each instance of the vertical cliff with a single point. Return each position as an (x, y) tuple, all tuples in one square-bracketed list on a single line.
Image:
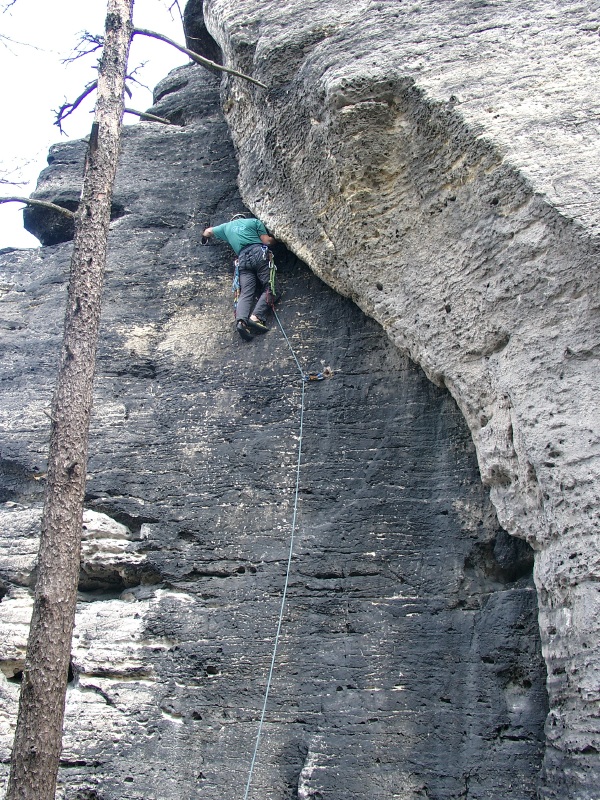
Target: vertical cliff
[(437, 163), (410, 664)]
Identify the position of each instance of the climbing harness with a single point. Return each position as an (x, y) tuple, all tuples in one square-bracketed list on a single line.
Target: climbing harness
[(235, 284), (327, 372)]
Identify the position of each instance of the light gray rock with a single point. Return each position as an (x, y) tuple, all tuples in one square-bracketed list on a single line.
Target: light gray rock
[(438, 163)]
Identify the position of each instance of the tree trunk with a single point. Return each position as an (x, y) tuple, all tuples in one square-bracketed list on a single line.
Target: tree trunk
[(38, 737)]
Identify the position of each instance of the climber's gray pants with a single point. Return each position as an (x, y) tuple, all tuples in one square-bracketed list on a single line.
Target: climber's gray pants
[(255, 267)]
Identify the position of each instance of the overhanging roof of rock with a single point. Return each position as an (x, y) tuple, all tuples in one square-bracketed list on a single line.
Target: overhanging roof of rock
[(419, 148), (438, 163), (522, 73)]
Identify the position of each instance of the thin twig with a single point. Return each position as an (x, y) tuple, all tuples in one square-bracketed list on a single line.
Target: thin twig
[(131, 76), (195, 57), (174, 4), (4, 39), (94, 41), (68, 108), (146, 115), (39, 203), (16, 174)]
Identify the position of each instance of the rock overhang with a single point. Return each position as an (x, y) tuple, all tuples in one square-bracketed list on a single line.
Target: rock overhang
[(436, 164)]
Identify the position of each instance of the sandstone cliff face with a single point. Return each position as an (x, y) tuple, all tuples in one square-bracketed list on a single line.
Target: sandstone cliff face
[(438, 164), (410, 664)]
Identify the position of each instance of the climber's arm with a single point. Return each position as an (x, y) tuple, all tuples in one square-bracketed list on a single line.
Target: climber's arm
[(268, 240)]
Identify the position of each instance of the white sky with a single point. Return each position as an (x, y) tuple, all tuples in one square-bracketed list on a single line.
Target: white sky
[(34, 83)]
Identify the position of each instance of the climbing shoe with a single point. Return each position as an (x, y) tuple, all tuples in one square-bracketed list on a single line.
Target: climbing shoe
[(257, 325), (244, 331)]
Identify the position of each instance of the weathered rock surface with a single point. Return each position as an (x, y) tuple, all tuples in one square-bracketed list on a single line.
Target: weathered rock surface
[(410, 663), (438, 163)]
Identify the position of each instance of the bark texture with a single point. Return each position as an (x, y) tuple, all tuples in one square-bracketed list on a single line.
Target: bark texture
[(38, 737)]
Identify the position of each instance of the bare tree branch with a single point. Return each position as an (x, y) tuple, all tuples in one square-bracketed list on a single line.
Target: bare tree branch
[(11, 177), (146, 115), (68, 108), (195, 57), (17, 174), (131, 76), (175, 4), (6, 40), (92, 42), (40, 204)]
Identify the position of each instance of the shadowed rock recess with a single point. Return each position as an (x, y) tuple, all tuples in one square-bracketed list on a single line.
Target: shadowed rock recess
[(410, 664)]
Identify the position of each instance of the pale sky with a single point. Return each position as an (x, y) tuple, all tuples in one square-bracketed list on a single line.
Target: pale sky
[(34, 83)]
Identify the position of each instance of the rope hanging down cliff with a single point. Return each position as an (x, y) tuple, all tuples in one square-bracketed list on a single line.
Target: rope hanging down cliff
[(305, 378)]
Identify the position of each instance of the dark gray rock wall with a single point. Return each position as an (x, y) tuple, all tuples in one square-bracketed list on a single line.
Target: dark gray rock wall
[(437, 162), (410, 662)]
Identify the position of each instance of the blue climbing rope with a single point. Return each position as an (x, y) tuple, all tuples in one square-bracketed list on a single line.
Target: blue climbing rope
[(289, 344), (289, 563), (306, 376)]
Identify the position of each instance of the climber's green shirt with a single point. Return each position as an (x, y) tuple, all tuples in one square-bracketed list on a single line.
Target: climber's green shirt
[(240, 232)]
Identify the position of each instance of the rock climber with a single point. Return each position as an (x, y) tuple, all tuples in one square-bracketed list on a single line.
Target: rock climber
[(251, 242)]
